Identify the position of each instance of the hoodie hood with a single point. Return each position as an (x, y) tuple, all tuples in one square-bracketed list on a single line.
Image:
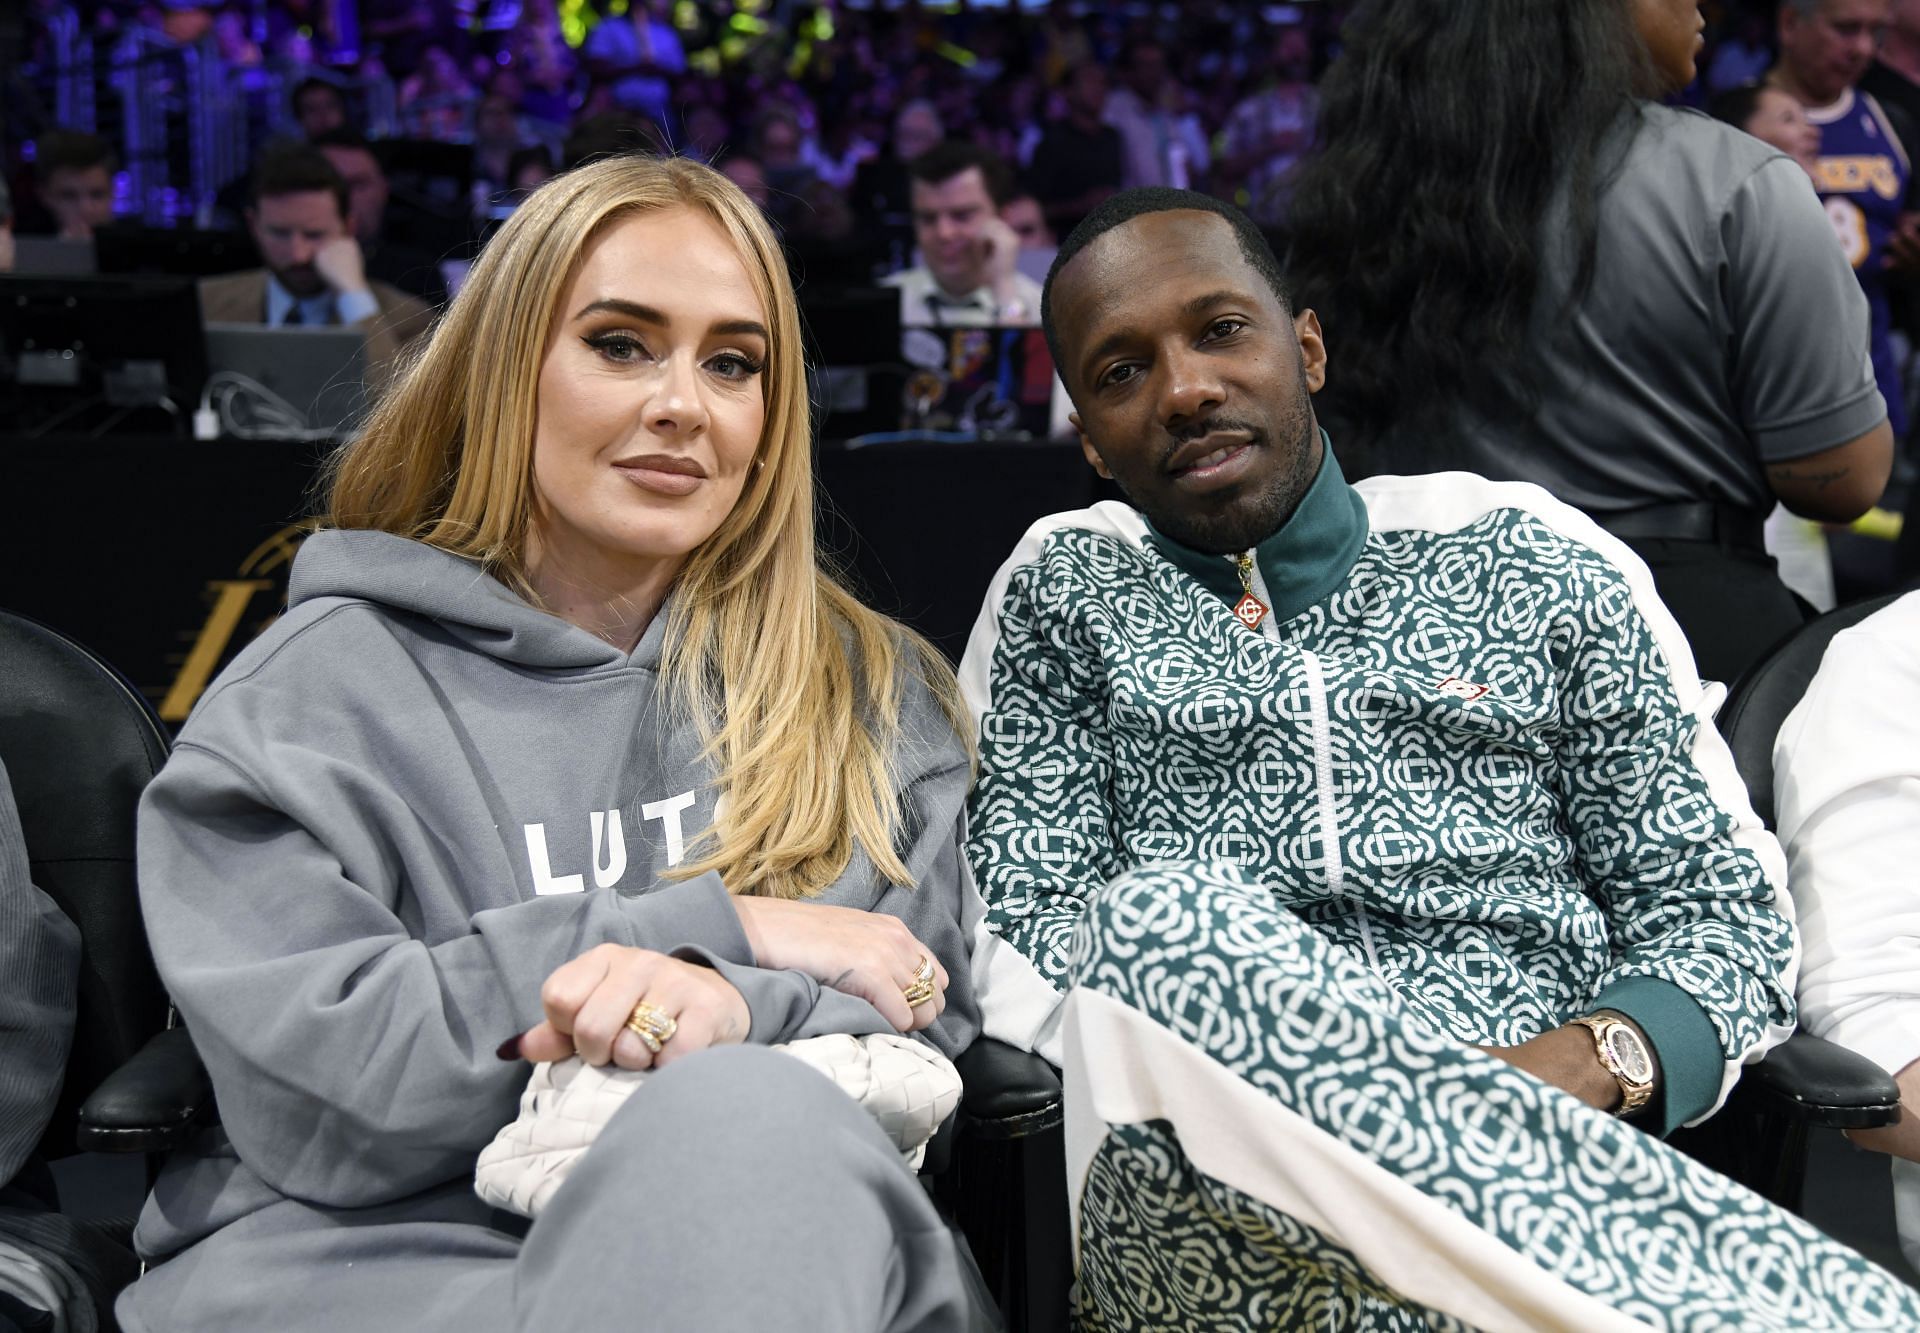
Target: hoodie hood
[(455, 593)]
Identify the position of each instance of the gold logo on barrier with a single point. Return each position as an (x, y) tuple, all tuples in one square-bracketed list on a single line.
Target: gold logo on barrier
[(226, 628)]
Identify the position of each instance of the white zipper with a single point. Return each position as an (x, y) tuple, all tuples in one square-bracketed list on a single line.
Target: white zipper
[(1322, 763), (1323, 783)]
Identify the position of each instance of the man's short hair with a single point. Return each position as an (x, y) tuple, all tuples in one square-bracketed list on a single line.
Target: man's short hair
[(298, 169), (948, 158), (70, 150), (1130, 204)]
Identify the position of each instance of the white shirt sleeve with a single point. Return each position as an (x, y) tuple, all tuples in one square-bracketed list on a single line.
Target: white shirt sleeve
[(1847, 787)]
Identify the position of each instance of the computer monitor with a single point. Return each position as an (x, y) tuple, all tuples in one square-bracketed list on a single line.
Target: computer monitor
[(319, 371), (180, 252), (52, 255), (92, 355)]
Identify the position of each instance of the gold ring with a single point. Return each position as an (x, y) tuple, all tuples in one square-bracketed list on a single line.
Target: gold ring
[(921, 989), (653, 1025)]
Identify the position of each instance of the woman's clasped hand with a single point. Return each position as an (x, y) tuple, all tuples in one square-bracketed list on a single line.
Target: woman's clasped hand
[(868, 954), (590, 1004)]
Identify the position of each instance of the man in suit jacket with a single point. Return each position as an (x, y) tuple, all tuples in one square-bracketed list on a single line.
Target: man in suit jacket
[(315, 272)]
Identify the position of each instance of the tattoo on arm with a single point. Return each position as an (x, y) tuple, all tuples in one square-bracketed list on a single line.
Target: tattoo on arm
[(1819, 480)]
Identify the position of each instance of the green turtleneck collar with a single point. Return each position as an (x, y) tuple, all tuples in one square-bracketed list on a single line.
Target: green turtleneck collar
[(1305, 560)]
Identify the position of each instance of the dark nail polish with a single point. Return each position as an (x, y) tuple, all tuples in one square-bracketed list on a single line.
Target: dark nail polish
[(510, 1048)]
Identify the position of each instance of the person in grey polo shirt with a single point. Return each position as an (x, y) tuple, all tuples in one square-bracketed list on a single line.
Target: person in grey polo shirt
[(1634, 306)]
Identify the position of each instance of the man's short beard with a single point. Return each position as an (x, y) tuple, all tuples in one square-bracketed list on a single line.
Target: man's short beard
[(301, 285), (1249, 520)]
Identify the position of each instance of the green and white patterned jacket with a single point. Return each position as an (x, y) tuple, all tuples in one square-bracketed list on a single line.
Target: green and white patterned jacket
[(1469, 744)]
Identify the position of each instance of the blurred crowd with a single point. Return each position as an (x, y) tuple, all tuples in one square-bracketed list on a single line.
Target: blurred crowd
[(814, 108)]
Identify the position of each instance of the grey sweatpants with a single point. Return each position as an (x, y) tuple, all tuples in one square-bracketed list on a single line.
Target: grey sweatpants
[(741, 1191)]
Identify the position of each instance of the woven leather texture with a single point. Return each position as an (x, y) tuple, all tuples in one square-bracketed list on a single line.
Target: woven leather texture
[(908, 1088)]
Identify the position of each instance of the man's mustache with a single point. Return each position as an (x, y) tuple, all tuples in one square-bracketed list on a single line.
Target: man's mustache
[(1205, 427)]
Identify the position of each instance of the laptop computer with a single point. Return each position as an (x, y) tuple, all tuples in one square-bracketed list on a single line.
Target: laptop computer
[(319, 371)]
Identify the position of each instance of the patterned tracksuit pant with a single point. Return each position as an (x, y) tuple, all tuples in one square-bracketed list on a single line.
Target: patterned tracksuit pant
[(1263, 1133)]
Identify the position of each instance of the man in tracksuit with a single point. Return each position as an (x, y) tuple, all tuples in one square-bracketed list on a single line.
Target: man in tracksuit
[(1378, 838)]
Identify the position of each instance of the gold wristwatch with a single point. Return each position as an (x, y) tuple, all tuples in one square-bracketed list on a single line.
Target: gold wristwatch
[(1624, 1053)]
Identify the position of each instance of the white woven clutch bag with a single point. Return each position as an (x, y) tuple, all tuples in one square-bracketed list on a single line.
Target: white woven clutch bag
[(908, 1087)]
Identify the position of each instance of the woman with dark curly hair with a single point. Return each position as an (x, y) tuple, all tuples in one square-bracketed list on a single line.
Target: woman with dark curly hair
[(1533, 271)]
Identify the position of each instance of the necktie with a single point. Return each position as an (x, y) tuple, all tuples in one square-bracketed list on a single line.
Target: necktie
[(293, 316)]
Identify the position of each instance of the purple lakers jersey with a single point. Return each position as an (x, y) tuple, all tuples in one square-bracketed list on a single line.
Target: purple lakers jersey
[(1862, 178)]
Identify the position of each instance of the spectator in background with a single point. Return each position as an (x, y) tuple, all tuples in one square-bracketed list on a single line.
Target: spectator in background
[(705, 133), (1062, 42), (746, 171), (638, 53), (1269, 131), (1164, 141), (609, 133), (882, 189), (1772, 117), (842, 148), (545, 61), (1081, 159), (968, 273), (778, 142), (1743, 53), (1864, 174), (315, 273), (75, 173), (497, 136), (1635, 307), (1023, 213), (319, 107), (1893, 79), (436, 98), (528, 169), (406, 267)]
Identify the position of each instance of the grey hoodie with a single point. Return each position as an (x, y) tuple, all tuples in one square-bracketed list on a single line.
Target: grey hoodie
[(391, 818)]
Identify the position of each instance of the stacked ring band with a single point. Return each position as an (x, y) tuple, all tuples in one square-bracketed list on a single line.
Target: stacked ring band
[(922, 987), (653, 1025)]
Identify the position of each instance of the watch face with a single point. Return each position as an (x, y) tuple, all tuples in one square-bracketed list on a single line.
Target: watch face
[(1630, 1054)]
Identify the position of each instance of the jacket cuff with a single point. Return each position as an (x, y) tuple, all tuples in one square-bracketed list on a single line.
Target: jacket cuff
[(1691, 1060), (698, 912), (788, 1005)]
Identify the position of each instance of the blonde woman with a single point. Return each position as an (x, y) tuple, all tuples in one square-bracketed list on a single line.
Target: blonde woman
[(564, 745)]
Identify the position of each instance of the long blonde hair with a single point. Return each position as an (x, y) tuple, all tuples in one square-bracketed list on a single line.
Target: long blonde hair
[(795, 686)]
